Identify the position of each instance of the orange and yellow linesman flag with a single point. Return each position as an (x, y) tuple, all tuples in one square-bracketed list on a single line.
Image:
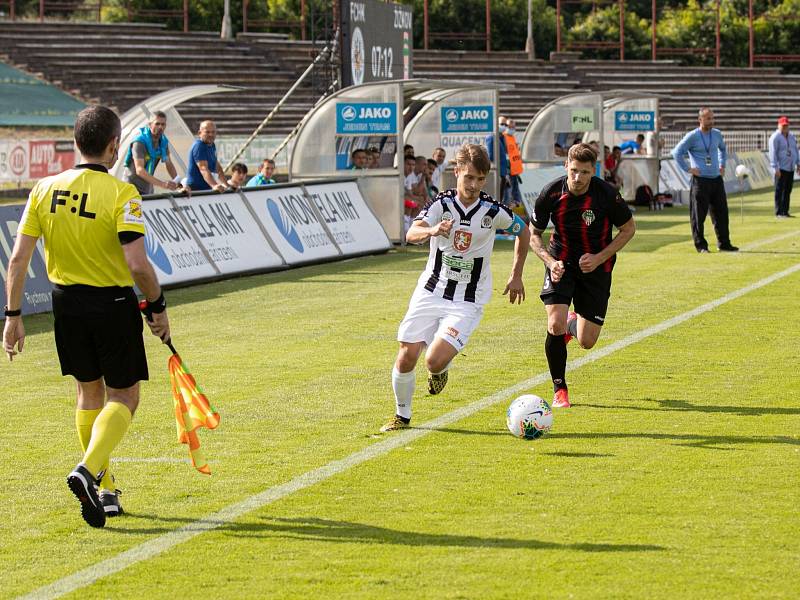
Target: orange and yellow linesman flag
[(192, 409)]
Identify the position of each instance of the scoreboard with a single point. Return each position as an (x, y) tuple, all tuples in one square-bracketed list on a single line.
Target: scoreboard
[(377, 41)]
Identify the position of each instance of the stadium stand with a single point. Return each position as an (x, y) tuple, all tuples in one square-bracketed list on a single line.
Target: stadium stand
[(122, 64)]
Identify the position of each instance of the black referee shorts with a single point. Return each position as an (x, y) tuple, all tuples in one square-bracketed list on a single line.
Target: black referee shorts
[(587, 292), (99, 334)]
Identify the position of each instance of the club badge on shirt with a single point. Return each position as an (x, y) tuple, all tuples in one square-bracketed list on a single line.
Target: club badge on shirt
[(462, 240)]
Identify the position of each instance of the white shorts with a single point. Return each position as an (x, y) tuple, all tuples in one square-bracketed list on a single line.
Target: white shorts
[(431, 316)]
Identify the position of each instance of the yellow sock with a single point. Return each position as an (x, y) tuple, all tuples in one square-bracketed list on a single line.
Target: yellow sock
[(84, 420), (108, 430)]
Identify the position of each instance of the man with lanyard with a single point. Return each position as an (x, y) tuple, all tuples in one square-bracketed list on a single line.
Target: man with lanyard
[(784, 160), (148, 148), (205, 172), (707, 155), (94, 249), (264, 175), (503, 167), (513, 195), (579, 258), (447, 304)]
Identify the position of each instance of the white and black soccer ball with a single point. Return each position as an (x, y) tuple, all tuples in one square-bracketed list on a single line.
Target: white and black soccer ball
[(529, 417)]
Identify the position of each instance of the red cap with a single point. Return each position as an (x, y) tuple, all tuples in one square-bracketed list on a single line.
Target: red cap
[(783, 120)]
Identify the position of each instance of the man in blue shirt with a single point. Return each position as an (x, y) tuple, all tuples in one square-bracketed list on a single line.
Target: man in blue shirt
[(783, 159), (707, 155), (205, 172), (503, 163)]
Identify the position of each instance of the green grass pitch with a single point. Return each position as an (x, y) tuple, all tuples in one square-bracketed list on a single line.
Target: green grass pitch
[(675, 474)]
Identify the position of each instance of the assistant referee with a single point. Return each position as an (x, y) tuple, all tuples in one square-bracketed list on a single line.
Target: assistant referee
[(93, 234)]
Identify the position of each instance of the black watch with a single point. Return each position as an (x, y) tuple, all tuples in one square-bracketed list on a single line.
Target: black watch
[(12, 313)]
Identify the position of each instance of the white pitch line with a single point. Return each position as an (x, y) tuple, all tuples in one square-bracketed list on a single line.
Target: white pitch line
[(161, 544)]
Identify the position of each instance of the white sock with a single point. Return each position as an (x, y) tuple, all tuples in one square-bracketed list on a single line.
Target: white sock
[(403, 386)]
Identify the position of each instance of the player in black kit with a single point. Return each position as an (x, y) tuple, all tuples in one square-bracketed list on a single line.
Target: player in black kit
[(579, 258)]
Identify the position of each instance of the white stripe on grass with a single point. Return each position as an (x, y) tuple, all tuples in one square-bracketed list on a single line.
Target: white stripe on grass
[(161, 544)]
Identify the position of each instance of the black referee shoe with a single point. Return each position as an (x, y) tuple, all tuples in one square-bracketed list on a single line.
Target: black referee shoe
[(82, 483), (728, 248), (110, 502)]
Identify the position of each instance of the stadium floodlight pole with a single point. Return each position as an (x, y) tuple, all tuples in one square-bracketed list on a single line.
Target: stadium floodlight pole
[(529, 48), (327, 51), (227, 28)]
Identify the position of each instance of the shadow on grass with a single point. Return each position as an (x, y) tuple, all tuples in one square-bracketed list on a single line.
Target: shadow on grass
[(325, 530), (709, 442), (683, 406)]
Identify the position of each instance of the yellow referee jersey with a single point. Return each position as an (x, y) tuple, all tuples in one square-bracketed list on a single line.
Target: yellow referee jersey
[(79, 213)]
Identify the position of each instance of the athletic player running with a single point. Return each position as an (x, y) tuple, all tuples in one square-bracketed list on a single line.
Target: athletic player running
[(447, 304), (579, 258)]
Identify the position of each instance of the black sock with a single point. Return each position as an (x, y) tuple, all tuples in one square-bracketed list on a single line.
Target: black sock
[(556, 351)]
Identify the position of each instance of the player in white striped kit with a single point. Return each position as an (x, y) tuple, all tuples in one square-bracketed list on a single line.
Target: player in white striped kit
[(447, 304)]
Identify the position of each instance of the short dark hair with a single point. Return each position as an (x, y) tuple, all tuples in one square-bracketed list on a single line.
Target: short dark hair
[(475, 155), (239, 168), (157, 114), (95, 127), (409, 157), (432, 162), (582, 153), (268, 160), (356, 151)]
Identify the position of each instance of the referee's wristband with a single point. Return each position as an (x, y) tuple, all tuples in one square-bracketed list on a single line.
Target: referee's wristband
[(12, 313), (157, 306)]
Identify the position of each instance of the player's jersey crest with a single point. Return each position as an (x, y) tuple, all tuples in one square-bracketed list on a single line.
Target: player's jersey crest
[(462, 240), (588, 217)]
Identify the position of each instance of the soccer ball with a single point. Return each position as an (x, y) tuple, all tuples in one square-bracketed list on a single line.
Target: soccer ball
[(529, 417)]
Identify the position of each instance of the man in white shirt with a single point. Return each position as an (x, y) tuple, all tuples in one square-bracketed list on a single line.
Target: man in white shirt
[(447, 304)]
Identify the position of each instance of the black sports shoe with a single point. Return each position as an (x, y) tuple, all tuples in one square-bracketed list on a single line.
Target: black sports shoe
[(436, 382), (110, 502), (82, 483), (703, 250), (728, 248)]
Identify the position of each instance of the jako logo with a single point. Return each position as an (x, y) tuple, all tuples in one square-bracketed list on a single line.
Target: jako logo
[(451, 115), (348, 113), (156, 254), (284, 226)]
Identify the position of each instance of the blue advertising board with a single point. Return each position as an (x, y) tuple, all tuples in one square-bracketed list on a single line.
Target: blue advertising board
[(366, 118), (37, 296), (467, 119), (634, 120)]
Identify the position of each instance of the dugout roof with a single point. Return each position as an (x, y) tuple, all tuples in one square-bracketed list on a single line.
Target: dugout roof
[(29, 102)]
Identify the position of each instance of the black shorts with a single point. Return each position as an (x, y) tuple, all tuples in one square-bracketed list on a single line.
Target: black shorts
[(588, 292), (99, 334)]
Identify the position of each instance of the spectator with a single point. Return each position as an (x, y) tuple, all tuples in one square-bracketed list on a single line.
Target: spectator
[(411, 205), (631, 146), (612, 163), (238, 175), (148, 148), (431, 171), (707, 155), (205, 172), (438, 156), (558, 150), (264, 175), (513, 196), (374, 156), (784, 161), (502, 163), (408, 149), (359, 159)]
